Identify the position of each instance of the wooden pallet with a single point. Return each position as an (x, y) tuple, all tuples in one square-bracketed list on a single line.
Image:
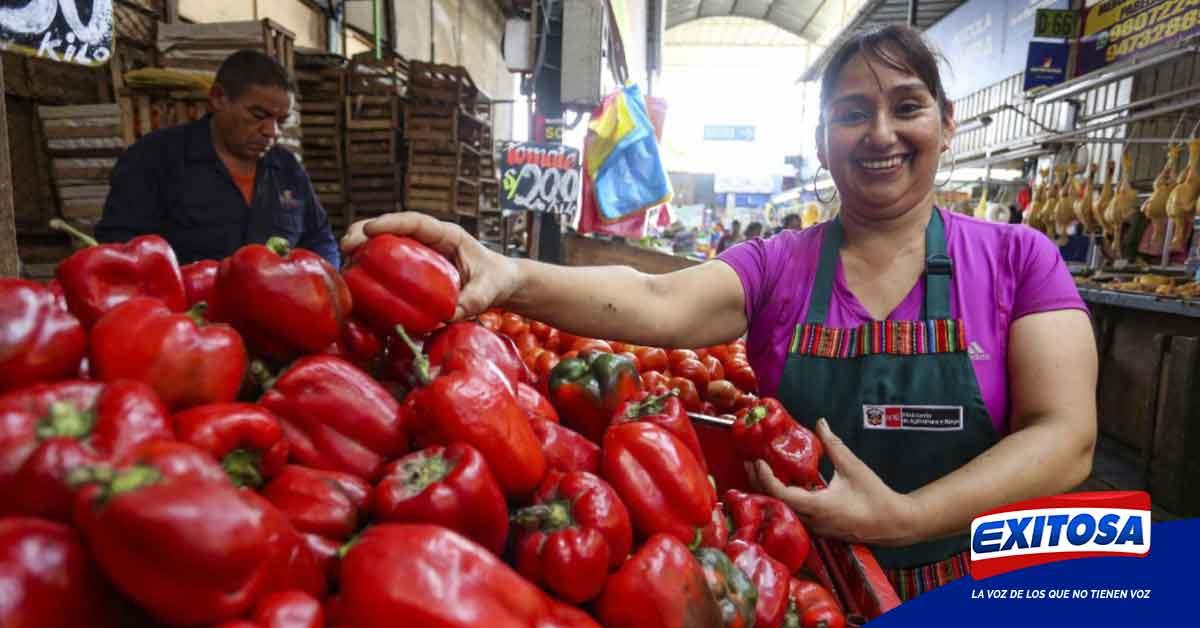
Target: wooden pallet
[(382, 77), (204, 46), (83, 142), (431, 83)]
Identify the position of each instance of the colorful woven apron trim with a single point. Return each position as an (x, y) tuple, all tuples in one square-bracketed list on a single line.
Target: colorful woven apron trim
[(910, 582), (879, 337)]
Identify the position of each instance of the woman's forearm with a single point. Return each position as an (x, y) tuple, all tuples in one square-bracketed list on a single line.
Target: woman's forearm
[(698, 306), (1042, 459)]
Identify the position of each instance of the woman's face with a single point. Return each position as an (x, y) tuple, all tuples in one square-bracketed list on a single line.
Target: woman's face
[(881, 137)]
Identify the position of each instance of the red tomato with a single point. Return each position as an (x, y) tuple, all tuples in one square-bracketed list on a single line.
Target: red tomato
[(526, 342), (491, 320), (742, 376), (591, 344), (652, 358), (569, 355), (701, 353), (720, 352), (620, 347), (552, 341), (712, 365), (539, 329), (693, 370), (632, 358), (678, 355), (654, 379), (565, 340), (546, 361), (531, 356), (513, 325), (687, 393), (723, 395), (747, 400)]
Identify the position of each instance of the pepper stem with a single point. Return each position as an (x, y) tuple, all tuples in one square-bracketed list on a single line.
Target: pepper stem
[(651, 405), (348, 545), (756, 414), (279, 245), (197, 312), (262, 374), (419, 474), (100, 474), (547, 517), (66, 421), (59, 224), (242, 467), (697, 539), (420, 360)]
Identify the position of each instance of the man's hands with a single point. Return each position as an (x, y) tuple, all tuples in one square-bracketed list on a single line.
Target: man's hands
[(488, 278), (857, 506)]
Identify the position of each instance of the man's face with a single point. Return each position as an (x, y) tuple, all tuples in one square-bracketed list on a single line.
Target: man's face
[(248, 126)]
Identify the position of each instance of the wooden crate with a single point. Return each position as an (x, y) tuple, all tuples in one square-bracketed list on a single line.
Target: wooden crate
[(204, 46), (382, 77), (144, 110), (83, 142), (431, 83)]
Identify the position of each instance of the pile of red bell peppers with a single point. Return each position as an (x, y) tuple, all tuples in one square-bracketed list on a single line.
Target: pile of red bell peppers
[(266, 441)]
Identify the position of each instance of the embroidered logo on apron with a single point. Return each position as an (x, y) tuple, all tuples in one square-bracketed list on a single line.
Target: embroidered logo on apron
[(919, 418)]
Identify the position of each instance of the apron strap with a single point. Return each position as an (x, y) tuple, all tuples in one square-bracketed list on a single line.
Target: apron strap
[(938, 270), (831, 246)]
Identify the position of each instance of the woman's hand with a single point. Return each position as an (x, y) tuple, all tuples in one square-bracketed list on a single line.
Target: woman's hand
[(857, 506), (488, 278)]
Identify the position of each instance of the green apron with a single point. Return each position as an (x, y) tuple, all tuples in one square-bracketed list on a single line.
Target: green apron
[(901, 394)]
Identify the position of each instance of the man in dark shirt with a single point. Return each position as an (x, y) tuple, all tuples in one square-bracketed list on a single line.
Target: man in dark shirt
[(213, 185)]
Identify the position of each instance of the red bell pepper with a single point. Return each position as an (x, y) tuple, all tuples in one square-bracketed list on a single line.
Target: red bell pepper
[(337, 417), (247, 439), (47, 429), (811, 605), (659, 479), (398, 281), (769, 576), (48, 579), (425, 575), (661, 406), (535, 404), (188, 551), (284, 302), (186, 361), (40, 341), (767, 432), (284, 609), (477, 341), (326, 507), (576, 531), (328, 503), (734, 592), (771, 524), (448, 486), (102, 276), (564, 449), (358, 344), (716, 532), (660, 586), (169, 458), (200, 281), (470, 401), (588, 389)]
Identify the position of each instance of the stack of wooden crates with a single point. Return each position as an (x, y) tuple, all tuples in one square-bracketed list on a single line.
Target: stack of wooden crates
[(449, 142), (373, 128), (320, 93), (83, 142)]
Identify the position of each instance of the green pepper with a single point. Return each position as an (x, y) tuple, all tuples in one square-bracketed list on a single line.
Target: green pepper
[(735, 593), (588, 389)]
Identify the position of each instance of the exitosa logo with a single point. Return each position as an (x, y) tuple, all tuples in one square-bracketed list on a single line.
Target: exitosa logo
[(1049, 529)]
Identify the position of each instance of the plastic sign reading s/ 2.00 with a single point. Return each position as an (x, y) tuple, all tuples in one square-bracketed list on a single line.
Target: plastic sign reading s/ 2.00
[(1068, 526)]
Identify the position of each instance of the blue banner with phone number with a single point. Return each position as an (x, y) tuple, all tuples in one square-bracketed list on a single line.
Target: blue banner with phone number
[(1158, 589)]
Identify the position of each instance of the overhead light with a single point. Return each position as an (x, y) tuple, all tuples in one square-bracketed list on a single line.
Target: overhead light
[(974, 124)]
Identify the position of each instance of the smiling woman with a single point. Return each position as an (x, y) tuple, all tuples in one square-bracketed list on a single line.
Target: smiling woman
[(936, 345)]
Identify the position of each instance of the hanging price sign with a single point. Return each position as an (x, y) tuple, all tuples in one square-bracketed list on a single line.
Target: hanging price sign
[(540, 177)]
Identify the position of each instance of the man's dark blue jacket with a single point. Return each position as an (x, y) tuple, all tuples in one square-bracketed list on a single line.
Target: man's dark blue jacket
[(172, 183)]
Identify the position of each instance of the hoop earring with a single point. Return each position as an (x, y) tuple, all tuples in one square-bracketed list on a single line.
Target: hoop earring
[(953, 165), (817, 193)]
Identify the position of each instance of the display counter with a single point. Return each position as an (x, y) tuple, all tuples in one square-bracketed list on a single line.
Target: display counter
[(579, 250)]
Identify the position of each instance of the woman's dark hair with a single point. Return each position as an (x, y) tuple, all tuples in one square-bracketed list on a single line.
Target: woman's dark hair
[(896, 46)]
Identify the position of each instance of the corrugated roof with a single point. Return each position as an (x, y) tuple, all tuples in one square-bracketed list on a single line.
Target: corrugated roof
[(809, 19)]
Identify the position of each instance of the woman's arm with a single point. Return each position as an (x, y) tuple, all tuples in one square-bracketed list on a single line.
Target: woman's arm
[(1052, 377), (1052, 369), (695, 307)]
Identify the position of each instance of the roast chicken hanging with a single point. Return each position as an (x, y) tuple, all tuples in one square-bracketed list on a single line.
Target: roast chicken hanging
[(1181, 204), (1064, 214), (1038, 198), (1085, 201), (1106, 196), (1155, 207), (1124, 203)]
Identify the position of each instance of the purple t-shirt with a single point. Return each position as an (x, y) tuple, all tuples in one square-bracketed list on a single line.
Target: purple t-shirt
[(1001, 273)]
